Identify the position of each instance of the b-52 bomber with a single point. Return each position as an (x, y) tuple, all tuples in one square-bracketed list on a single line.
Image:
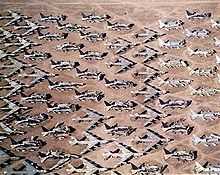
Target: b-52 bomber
[(4, 55), (123, 63), (208, 140), (66, 47), (204, 91), (205, 114), (69, 27), (89, 95), (173, 62), (197, 33), (92, 17), (92, 55), (36, 55), (60, 131), (35, 98), (172, 43), (60, 108), (175, 103), (208, 72), (119, 26), (65, 86), (90, 74), (26, 144), (201, 51), (92, 36), (64, 65), (175, 82), (120, 105), (207, 168), (52, 19), (119, 84), (6, 36), (171, 24), (52, 36), (197, 15), (30, 27)]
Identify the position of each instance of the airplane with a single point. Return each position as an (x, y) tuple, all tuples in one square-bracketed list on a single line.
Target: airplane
[(148, 35), (118, 26), (52, 19), (119, 84), (92, 36), (120, 105), (172, 43), (6, 35), (70, 27), (197, 15), (70, 46), (208, 72), (89, 95), (91, 140), (206, 168), (201, 51), (35, 97), (14, 18), (175, 82), (60, 108), (204, 91), (208, 140), (92, 55), (217, 42), (148, 53), (64, 86), (148, 168), (116, 130), (30, 27), (180, 155), (52, 36), (93, 18), (173, 63), (123, 63), (88, 167), (197, 33), (31, 120), (171, 24), (178, 126), (89, 74), (60, 131), (205, 114), (175, 103), (215, 23), (12, 108), (120, 45), (36, 55), (64, 65), (27, 144), (4, 55)]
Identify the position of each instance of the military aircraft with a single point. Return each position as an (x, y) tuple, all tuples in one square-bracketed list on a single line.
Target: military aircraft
[(52, 36), (52, 19), (148, 168), (197, 33), (6, 35), (204, 91), (208, 72), (36, 55), (60, 131), (91, 140), (4, 55), (197, 15), (64, 86), (205, 114), (69, 27), (60, 108), (178, 126), (92, 17), (66, 47), (90, 74), (176, 103), (64, 65), (116, 130), (89, 95), (31, 120), (35, 97), (148, 54), (208, 140), (173, 62), (180, 155), (120, 105), (14, 18), (123, 63), (92, 36), (118, 26), (148, 35), (171, 24), (201, 51), (206, 168), (92, 55), (119, 84), (175, 82), (27, 144), (30, 27), (215, 23), (172, 43)]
